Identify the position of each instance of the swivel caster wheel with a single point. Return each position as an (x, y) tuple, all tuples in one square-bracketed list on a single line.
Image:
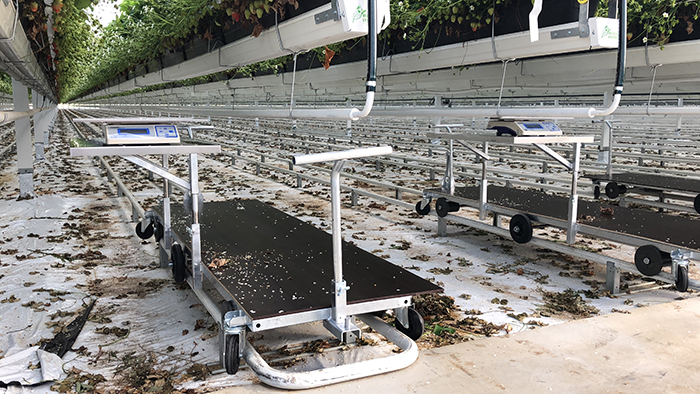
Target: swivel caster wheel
[(177, 257), (500, 131), (443, 207), (521, 228), (231, 356), (159, 231), (596, 192), (145, 233), (416, 325), (423, 211), (682, 278), (649, 260), (613, 190)]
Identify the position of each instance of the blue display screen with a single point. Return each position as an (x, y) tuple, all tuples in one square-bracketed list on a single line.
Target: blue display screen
[(133, 131)]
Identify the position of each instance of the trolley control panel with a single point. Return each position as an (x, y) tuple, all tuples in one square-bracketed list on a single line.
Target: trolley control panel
[(524, 128), (144, 134)]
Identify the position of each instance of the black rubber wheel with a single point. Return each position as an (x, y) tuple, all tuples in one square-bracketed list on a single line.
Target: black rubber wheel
[(177, 257), (441, 207), (145, 234), (696, 203), (500, 130), (231, 359), (416, 325), (649, 260), (682, 278), (423, 211), (159, 231), (596, 191), (612, 190), (521, 228)]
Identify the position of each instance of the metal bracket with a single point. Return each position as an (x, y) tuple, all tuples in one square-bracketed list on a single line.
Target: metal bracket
[(554, 155), (580, 31), (158, 170), (348, 333), (331, 14), (480, 153), (583, 10), (233, 319), (575, 32), (402, 316)]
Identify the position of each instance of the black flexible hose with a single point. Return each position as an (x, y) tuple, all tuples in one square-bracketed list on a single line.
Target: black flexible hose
[(622, 47), (372, 48)]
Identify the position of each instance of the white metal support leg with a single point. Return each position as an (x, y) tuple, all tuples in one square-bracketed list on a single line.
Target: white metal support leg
[(573, 198), (483, 195), (23, 139), (605, 149), (196, 240), (612, 279), (167, 231), (341, 325)]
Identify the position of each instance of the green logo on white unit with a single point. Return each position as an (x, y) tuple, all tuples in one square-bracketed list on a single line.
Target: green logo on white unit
[(609, 33), (360, 14)]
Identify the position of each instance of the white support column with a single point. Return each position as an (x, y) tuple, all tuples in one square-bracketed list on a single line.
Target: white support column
[(605, 140), (437, 104), (41, 125), (679, 122), (23, 138)]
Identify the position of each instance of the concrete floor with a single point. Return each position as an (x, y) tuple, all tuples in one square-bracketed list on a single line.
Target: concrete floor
[(652, 350)]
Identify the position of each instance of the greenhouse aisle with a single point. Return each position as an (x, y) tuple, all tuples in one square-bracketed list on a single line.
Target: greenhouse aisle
[(651, 350)]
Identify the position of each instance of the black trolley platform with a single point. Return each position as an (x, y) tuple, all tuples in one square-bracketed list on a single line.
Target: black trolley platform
[(273, 265), (653, 184), (647, 226), (661, 239)]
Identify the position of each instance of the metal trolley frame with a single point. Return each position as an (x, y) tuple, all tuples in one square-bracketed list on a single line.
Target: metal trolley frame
[(651, 256), (234, 320)]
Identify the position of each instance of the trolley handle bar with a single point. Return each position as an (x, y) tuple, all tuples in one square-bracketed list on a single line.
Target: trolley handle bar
[(342, 155)]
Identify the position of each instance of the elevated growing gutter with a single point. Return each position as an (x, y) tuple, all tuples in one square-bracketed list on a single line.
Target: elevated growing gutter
[(16, 55)]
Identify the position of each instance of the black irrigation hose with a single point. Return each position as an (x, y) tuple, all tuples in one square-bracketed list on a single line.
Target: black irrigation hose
[(372, 48), (622, 48)]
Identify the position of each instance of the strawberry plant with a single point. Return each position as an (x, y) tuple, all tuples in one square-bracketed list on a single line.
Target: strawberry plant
[(655, 20), (89, 57), (5, 83)]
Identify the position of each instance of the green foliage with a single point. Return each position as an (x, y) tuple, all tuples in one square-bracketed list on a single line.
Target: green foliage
[(654, 20), (412, 19), (146, 29), (5, 83), (74, 42)]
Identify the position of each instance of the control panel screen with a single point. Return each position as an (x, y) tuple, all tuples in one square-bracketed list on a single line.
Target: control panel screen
[(134, 131), (533, 126)]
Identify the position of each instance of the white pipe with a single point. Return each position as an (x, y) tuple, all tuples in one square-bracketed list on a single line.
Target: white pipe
[(342, 373), (138, 120), (661, 111), (342, 155), (9, 116), (508, 113), (534, 26)]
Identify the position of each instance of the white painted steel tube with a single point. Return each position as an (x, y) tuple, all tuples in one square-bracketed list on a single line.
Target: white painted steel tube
[(534, 26), (342, 155), (138, 120), (342, 373), (9, 116), (509, 113)]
